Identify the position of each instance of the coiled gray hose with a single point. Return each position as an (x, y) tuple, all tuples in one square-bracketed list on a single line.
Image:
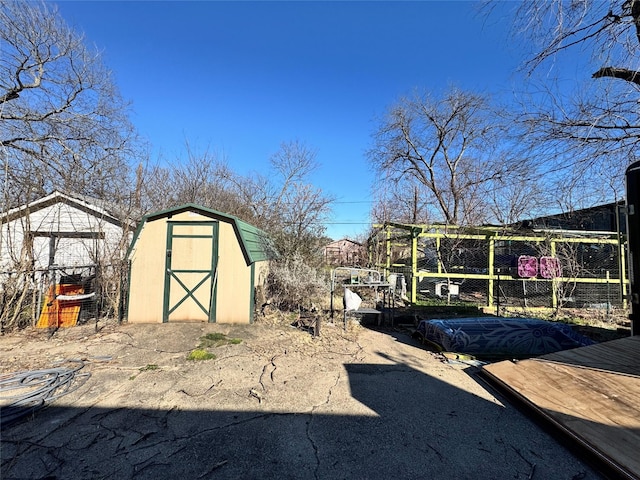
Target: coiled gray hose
[(23, 393)]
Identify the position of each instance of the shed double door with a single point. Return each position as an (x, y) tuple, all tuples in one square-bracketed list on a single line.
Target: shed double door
[(191, 272)]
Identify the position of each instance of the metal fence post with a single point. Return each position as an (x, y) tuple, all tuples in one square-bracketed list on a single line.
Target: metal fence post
[(554, 280), (414, 267), (490, 271)]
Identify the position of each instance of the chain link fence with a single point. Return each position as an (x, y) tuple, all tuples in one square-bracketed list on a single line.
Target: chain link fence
[(62, 296)]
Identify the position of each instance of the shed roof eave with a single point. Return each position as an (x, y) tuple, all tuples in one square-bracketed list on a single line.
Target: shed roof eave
[(61, 197)]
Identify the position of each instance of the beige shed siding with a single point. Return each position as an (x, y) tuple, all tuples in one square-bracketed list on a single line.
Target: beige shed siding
[(188, 217), (147, 274), (234, 279)]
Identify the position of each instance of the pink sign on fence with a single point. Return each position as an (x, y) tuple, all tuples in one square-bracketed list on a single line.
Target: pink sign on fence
[(527, 266), (550, 267)]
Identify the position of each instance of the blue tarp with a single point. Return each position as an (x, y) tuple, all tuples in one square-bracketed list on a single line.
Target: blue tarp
[(500, 337)]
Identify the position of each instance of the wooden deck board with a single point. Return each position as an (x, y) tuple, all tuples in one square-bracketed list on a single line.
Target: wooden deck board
[(591, 393)]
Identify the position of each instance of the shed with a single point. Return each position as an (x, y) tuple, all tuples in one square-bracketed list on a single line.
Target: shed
[(191, 263), (60, 230)]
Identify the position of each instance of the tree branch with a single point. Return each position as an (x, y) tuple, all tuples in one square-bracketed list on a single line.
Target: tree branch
[(10, 95), (635, 14), (632, 76)]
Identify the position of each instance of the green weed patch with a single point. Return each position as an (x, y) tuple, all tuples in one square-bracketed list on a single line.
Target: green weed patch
[(200, 354), (211, 340)]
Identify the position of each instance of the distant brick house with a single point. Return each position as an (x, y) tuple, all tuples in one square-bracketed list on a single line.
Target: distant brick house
[(344, 252)]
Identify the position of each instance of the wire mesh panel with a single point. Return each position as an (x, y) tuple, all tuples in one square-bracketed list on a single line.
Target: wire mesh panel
[(68, 297), (490, 267), (61, 296)]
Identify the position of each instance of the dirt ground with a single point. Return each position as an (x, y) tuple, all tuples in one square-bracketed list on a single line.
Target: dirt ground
[(275, 403)]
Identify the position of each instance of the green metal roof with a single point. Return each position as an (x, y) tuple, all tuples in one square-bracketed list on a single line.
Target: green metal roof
[(255, 243)]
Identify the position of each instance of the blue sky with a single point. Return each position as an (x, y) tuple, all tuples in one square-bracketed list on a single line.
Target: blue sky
[(240, 78)]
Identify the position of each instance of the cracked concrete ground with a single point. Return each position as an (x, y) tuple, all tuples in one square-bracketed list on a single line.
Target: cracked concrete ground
[(361, 404)]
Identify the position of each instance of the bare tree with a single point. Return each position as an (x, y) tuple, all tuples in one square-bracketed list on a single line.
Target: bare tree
[(519, 197), (285, 203), (400, 201), (447, 146), (299, 207), (202, 177), (292, 211), (64, 124), (587, 134)]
